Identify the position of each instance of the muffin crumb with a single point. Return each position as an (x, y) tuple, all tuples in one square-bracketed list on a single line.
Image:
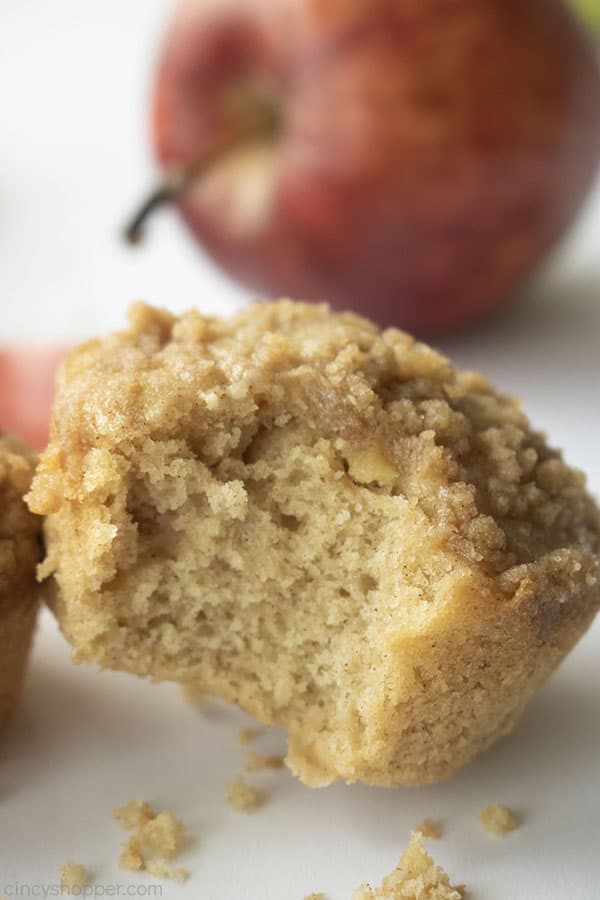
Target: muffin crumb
[(163, 835), (160, 869), (498, 819), (247, 735), (242, 797), (315, 897), (159, 835), (256, 761), (73, 876), (134, 815), (429, 828), (196, 696), (415, 878), (180, 874), (132, 858)]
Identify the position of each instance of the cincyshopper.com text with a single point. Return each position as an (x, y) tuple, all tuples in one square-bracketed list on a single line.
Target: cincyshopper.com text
[(21, 890)]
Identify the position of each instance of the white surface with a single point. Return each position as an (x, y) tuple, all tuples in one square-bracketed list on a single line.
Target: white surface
[(74, 157)]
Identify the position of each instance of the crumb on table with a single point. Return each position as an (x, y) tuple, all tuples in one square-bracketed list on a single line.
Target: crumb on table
[(132, 858), (315, 897), (197, 696), (160, 869), (158, 837), (241, 796), (256, 761), (163, 835), (416, 877), (73, 876), (135, 814), (247, 735), (498, 819), (429, 828)]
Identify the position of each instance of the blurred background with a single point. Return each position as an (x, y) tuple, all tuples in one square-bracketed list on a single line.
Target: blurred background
[(76, 157)]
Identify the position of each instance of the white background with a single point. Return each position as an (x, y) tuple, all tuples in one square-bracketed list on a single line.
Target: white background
[(74, 157)]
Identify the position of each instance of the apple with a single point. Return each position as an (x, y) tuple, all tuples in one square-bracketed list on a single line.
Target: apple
[(26, 386), (409, 159)]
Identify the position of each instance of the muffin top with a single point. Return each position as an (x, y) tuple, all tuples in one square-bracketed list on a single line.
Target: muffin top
[(403, 419)]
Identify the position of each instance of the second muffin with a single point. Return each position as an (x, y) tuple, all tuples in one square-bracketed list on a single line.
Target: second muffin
[(20, 551)]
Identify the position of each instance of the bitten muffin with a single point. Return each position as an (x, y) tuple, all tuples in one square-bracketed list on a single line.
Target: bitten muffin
[(328, 525), (20, 550)]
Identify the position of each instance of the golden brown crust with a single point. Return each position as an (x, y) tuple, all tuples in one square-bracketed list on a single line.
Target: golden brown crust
[(326, 524), (20, 550)]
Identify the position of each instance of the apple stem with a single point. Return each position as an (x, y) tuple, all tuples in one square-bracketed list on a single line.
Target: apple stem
[(174, 185), (164, 194), (258, 121)]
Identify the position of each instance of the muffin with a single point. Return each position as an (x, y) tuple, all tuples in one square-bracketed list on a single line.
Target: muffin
[(20, 550), (326, 524)]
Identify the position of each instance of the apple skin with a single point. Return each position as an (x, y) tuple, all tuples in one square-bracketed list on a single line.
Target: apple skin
[(26, 386), (429, 154)]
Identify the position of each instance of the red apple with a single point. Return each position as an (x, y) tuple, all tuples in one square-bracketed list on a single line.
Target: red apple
[(410, 159), (26, 386)]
